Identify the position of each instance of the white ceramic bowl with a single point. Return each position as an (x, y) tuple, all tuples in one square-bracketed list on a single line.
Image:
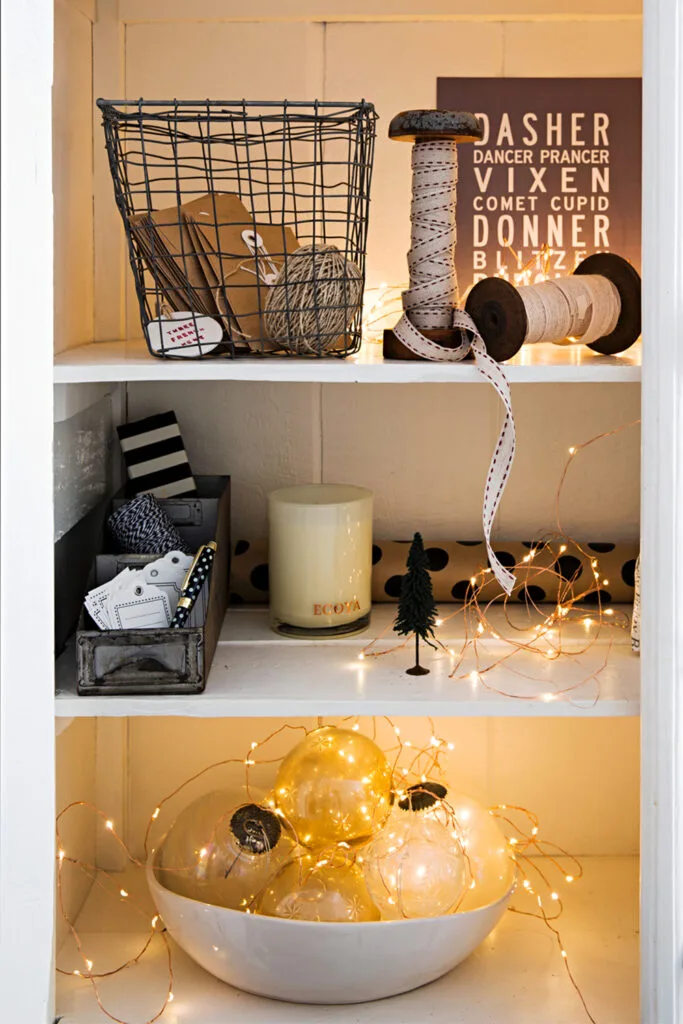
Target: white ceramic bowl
[(316, 962)]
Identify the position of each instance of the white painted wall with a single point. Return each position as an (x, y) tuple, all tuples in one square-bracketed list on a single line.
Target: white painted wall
[(72, 156), (82, 453), (423, 450), (76, 780)]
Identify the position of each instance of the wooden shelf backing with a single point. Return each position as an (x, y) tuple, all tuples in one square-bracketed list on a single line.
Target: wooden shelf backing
[(258, 673), (516, 975), (545, 363)]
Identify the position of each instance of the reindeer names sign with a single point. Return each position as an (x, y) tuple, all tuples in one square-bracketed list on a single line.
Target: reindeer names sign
[(555, 177)]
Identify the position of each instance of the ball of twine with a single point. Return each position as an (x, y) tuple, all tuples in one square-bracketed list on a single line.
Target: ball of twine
[(316, 296)]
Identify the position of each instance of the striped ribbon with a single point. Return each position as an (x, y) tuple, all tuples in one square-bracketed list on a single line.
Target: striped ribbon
[(504, 453)]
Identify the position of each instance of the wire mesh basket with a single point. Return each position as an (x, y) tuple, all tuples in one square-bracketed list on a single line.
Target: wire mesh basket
[(246, 222)]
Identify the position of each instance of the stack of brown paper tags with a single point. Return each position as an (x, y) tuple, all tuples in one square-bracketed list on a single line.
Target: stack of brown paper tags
[(210, 257)]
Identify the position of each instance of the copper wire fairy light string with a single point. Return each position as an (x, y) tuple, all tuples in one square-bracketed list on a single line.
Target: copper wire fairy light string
[(88, 974), (525, 845), (546, 640)]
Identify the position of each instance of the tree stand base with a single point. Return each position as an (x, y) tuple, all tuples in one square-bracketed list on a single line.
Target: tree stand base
[(417, 670)]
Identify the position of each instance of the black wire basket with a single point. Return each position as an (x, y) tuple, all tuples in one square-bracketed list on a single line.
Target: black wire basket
[(246, 222)]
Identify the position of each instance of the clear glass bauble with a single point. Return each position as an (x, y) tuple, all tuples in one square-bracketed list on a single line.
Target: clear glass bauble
[(319, 888), (414, 867), (334, 787), (489, 856), (221, 852), (490, 868)]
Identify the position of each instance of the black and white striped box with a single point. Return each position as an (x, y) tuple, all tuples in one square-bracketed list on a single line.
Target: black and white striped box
[(155, 456)]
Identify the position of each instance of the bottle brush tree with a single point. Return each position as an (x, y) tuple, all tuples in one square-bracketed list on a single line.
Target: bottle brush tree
[(416, 607)]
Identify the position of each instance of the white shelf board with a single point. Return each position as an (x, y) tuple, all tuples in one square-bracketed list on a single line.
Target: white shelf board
[(257, 673), (516, 976), (130, 361)]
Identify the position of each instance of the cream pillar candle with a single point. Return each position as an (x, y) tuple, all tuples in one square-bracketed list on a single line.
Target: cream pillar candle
[(320, 559)]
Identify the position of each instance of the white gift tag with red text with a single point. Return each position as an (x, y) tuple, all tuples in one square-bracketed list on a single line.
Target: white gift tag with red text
[(184, 334)]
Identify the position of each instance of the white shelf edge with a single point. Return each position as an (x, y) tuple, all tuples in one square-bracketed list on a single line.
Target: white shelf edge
[(256, 674), (101, 362)]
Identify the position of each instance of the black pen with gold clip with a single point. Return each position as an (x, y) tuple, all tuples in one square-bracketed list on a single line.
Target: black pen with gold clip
[(192, 584)]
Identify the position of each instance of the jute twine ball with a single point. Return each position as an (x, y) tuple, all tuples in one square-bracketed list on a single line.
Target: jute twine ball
[(316, 296)]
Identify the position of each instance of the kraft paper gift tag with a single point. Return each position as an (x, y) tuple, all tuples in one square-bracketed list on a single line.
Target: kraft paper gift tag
[(176, 251), (171, 292), (222, 220)]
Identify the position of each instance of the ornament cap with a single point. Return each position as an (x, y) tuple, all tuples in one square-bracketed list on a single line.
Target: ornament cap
[(422, 796), (255, 828)]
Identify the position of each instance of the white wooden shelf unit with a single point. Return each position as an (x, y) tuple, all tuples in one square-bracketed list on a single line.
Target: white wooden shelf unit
[(257, 673), (487, 988), (544, 363)]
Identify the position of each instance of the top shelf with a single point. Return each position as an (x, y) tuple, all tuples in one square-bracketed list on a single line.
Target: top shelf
[(534, 364)]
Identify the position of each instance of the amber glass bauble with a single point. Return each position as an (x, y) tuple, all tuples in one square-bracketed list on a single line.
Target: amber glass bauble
[(334, 787)]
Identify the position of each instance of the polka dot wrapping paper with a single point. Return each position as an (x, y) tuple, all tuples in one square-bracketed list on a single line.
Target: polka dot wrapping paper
[(453, 563)]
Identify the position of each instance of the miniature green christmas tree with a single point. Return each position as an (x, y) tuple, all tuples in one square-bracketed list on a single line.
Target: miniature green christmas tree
[(416, 607)]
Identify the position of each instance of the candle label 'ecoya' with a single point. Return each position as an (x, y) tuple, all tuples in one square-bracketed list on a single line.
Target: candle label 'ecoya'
[(337, 608)]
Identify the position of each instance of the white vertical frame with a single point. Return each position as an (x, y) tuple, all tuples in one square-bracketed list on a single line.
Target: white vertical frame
[(26, 652), (662, 516)]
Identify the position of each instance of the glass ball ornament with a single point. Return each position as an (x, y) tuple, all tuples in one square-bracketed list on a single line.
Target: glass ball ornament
[(223, 854), (488, 856), (334, 786), (414, 867), (319, 888), (491, 867)]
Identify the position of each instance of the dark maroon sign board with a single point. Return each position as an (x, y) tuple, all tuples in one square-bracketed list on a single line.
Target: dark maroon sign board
[(560, 164)]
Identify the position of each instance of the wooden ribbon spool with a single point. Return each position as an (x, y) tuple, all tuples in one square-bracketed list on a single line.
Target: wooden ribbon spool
[(497, 309), (421, 127)]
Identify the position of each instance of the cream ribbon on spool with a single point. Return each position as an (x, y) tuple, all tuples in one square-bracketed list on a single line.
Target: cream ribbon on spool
[(583, 306), (431, 301)]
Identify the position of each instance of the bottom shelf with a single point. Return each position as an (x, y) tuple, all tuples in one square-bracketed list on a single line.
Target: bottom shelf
[(516, 976)]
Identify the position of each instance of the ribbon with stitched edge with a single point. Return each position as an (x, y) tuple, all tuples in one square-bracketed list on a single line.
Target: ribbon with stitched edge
[(504, 453)]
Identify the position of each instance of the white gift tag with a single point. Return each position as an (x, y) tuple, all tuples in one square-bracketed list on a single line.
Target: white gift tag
[(129, 601), (97, 600), (184, 334), (96, 603), (139, 606), (168, 573)]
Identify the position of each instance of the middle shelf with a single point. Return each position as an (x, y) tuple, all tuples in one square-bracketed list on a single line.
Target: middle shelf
[(256, 673)]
